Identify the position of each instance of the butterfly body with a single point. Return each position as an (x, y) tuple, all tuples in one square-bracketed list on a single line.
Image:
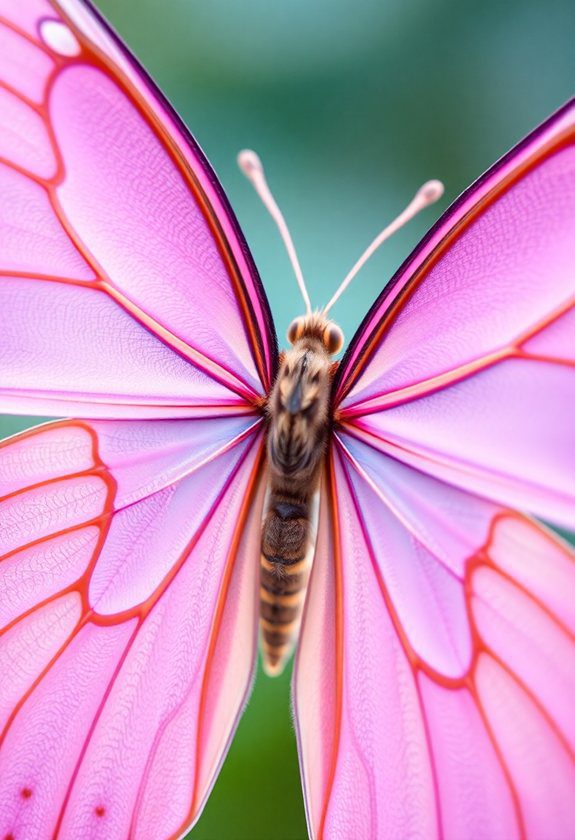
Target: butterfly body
[(299, 423)]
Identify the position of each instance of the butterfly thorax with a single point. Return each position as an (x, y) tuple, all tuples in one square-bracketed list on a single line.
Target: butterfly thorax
[(298, 413)]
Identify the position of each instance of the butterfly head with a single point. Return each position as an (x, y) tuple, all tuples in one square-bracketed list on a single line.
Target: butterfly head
[(303, 382), (317, 327)]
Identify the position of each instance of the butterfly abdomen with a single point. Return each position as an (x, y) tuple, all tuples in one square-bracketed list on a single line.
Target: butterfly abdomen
[(297, 435), (284, 573)]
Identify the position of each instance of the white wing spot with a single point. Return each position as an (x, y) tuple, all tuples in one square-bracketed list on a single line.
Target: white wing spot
[(59, 38)]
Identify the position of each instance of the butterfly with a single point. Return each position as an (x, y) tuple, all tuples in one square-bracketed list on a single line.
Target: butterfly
[(435, 674)]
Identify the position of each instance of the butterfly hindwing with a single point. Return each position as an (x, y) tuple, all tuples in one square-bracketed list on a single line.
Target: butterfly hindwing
[(128, 620), (446, 629)]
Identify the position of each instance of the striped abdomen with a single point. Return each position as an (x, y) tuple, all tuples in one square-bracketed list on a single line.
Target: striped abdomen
[(284, 573)]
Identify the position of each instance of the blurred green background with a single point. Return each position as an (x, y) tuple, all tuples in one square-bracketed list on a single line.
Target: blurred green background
[(351, 105)]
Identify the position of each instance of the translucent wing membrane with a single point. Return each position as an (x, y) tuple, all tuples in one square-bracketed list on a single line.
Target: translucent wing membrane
[(446, 626), (116, 240), (128, 605), (444, 618)]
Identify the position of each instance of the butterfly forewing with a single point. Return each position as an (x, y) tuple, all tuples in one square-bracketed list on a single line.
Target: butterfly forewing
[(480, 299), (85, 255)]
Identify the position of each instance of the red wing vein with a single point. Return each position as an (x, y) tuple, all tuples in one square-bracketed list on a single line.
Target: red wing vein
[(21, 96), (14, 713), (502, 763), (389, 399), (534, 699), (413, 658), (432, 759), (533, 598)]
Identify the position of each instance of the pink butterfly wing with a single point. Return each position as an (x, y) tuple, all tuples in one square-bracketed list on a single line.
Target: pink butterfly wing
[(115, 238), (443, 619), (128, 617), (128, 608)]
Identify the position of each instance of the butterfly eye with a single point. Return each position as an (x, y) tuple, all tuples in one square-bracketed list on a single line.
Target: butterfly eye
[(295, 330), (332, 339)]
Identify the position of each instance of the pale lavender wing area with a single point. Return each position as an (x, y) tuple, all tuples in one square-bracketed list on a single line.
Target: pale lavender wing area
[(466, 367), (127, 620), (126, 288), (445, 627)]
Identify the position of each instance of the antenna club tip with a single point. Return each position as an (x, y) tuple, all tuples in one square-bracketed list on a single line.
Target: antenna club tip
[(431, 191), (249, 162)]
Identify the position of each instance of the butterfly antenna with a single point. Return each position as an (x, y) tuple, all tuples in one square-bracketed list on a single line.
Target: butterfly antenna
[(252, 167), (428, 194)]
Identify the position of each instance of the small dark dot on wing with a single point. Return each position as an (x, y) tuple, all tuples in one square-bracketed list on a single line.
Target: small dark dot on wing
[(99, 810), (26, 793)]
